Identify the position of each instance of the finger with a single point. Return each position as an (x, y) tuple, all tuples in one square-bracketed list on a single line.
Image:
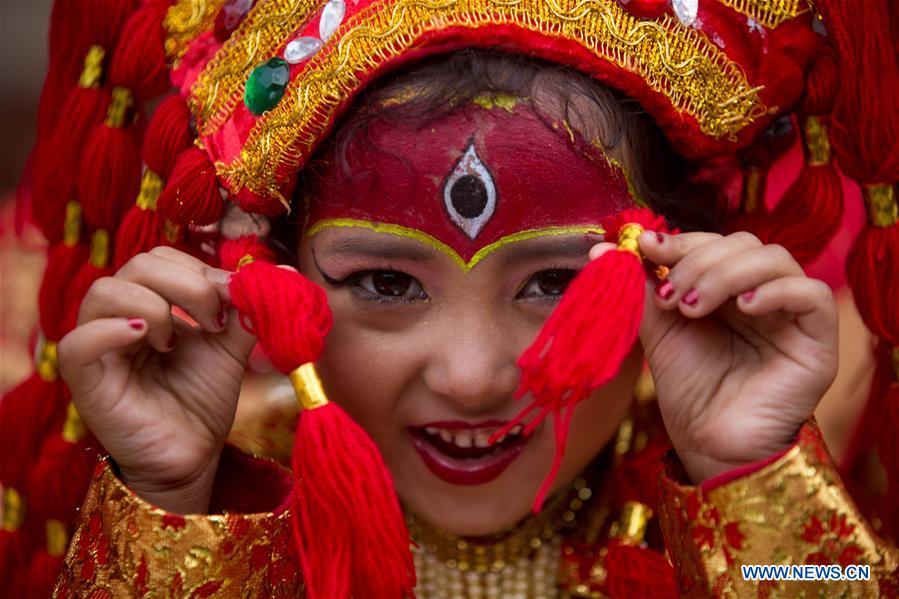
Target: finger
[(599, 249), (179, 285), (235, 339), (112, 297), (217, 276), (79, 352), (809, 300), (665, 249), (734, 275), (678, 285)]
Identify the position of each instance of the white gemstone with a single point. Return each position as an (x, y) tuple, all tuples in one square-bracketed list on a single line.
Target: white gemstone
[(332, 16), (301, 48), (686, 10)]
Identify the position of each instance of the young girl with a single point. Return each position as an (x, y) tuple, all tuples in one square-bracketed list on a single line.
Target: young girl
[(445, 215)]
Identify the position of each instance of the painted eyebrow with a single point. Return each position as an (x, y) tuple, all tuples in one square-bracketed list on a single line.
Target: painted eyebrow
[(551, 247), (380, 248)]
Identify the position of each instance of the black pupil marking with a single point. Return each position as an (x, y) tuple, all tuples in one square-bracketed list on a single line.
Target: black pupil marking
[(554, 282), (469, 196), (391, 283)]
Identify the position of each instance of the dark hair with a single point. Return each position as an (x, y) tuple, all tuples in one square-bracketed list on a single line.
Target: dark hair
[(415, 96)]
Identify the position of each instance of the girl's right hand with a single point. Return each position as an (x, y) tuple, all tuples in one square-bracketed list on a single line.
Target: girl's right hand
[(158, 393)]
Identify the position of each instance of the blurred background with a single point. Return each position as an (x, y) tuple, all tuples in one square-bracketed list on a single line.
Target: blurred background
[(23, 64)]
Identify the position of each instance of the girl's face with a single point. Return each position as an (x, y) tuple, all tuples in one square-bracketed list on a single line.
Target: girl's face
[(442, 256)]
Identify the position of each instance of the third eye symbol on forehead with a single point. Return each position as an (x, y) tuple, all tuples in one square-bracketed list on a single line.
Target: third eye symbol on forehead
[(469, 194)]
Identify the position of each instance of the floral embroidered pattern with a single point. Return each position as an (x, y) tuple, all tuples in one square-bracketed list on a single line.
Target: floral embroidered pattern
[(793, 511), (126, 548)]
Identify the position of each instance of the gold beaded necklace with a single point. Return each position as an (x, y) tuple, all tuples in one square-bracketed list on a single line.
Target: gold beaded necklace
[(522, 561)]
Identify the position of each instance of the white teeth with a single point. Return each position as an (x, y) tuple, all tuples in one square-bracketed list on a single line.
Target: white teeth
[(516, 430), (463, 439), (480, 439), (501, 439), (446, 435), (431, 430)]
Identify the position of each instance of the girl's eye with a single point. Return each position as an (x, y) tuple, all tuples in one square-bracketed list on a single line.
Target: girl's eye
[(390, 284), (548, 284)]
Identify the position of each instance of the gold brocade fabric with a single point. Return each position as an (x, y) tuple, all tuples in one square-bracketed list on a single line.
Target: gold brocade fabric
[(124, 547), (793, 511)]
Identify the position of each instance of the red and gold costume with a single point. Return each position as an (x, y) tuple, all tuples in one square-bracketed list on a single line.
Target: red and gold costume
[(260, 86)]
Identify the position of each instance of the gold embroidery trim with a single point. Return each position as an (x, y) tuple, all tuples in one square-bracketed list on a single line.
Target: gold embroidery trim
[(13, 510), (443, 248), (881, 203), (308, 387), (678, 62), (219, 88), (769, 13), (187, 20)]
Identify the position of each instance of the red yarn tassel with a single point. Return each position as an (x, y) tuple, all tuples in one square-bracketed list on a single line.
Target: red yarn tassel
[(191, 195), (583, 343), (348, 525), (139, 61), (168, 134)]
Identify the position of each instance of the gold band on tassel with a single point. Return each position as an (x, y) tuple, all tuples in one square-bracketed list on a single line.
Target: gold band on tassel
[(752, 189), (171, 231), (93, 67), (627, 239), (71, 229), (881, 203), (118, 107), (308, 387), (100, 248), (73, 429), (150, 188), (635, 517), (57, 538), (13, 510), (46, 364), (817, 141)]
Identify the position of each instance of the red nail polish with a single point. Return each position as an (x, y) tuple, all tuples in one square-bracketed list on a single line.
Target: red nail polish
[(748, 295), (172, 340), (665, 289), (137, 324), (660, 238), (691, 297)]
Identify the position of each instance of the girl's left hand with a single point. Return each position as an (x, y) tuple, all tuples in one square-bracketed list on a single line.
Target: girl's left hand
[(741, 345)]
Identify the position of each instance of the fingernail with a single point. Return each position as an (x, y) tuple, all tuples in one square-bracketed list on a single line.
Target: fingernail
[(172, 340), (660, 238), (665, 289), (748, 295), (691, 297), (137, 324), (219, 276)]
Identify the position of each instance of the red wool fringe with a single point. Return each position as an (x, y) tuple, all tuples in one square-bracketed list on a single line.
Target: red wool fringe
[(63, 263), (109, 178), (639, 572), (141, 231), (348, 525), (583, 343), (191, 194), (139, 62)]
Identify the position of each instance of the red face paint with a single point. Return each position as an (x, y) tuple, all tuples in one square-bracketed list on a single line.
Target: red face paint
[(472, 178)]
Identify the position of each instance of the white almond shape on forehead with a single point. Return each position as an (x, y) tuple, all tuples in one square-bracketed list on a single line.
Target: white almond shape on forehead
[(469, 194)]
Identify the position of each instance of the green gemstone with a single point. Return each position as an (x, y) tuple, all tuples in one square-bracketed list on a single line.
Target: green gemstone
[(266, 85)]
